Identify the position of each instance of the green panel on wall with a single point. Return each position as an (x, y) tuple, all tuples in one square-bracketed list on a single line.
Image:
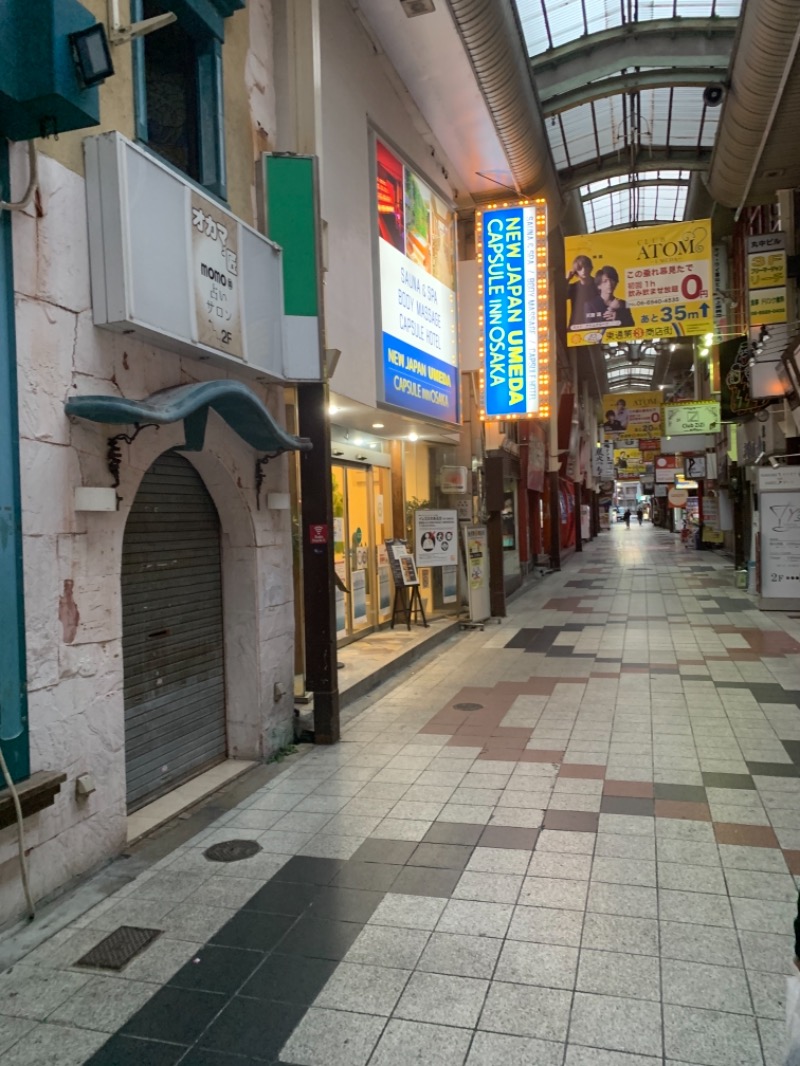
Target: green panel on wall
[(290, 183)]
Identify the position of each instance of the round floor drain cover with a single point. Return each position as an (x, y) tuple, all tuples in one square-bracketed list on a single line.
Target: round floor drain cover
[(468, 706), (232, 850)]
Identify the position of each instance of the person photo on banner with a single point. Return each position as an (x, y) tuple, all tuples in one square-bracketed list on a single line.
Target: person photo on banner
[(586, 304), (621, 414), (611, 424), (617, 312)]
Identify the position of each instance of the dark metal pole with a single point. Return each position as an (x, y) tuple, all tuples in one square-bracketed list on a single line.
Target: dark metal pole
[(555, 521), (319, 594)]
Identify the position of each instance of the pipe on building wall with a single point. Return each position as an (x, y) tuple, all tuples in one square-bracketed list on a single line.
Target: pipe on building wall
[(494, 41), (763, 55)]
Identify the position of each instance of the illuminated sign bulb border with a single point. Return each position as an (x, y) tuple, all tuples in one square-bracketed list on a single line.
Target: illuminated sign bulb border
[(543, 313)]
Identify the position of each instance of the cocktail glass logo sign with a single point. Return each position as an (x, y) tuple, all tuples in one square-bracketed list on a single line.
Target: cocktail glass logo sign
[(684, 419)]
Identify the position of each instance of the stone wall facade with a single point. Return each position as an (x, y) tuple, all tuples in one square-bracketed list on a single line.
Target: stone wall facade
[(72, 559)]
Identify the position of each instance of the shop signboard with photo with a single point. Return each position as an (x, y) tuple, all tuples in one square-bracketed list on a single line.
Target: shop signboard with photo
[(632, 415), (633, 285), (691, 417), (511, 246), (417, 278), (666, 467), (436, 538), (629, 464)]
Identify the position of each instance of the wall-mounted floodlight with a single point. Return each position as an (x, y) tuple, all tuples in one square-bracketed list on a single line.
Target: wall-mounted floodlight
[(91, 55)]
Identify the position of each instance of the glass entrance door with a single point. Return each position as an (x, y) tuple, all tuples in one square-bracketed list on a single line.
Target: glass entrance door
[(361, 522)]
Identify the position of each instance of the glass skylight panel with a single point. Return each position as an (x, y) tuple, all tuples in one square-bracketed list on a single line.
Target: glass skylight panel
[(549, 23)]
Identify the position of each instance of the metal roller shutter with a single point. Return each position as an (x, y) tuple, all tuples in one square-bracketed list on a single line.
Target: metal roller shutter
[(172, 641)]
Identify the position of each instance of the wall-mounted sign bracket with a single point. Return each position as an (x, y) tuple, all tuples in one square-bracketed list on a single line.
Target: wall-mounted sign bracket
[(114, 452)]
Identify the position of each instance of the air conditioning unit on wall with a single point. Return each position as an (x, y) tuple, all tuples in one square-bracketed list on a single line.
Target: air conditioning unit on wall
[(413, 8)]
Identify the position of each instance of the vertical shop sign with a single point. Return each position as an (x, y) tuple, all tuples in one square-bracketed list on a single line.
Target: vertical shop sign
[(416, 258), (604, 461), (723, 322), (215, 272), (476, 556), (512, 262), (766, 279)]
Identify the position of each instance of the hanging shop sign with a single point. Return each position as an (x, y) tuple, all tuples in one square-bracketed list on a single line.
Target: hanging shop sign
[(691, 417), (175, 269), (766, 279), (604, 461), (639, 284), (511, 245), (453, 480), (436, 538), (677, 497), (722, 303), (629, 464), (666, 467), (694, 467), (634, 415), (416, 261)]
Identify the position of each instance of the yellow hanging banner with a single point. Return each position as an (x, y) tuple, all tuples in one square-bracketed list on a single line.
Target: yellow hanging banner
[(633, 285)]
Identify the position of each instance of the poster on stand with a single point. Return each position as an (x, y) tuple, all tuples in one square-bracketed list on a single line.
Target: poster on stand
[(436, 538), (476, 557)]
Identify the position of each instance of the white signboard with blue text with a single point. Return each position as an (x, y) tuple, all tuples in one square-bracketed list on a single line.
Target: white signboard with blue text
[(416, 260)]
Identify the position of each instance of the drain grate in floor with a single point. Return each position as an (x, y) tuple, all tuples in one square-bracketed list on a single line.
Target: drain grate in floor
[(232, 850), (468, 706), (118, 948)]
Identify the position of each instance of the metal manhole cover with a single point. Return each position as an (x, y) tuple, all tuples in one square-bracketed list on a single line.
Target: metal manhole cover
[(118, 948), (232, 850), (468, 706)]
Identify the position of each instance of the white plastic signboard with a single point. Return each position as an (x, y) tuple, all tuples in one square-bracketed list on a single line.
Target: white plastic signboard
[(436, 538), (779, 537)]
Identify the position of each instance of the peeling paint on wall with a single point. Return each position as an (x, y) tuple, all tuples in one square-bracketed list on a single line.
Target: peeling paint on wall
[(68, 613)]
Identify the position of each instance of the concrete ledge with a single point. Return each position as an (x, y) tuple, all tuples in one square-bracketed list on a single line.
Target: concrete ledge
[(386, 672), (35, 793)]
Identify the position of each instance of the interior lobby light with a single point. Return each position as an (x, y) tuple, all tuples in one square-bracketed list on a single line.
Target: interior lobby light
[(413, 437), (377, 425), (333, 409)]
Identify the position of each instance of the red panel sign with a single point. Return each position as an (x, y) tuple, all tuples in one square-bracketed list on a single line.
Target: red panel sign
[(318, 534)]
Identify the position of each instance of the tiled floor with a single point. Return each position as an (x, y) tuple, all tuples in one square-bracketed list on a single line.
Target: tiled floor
[(570, 840)]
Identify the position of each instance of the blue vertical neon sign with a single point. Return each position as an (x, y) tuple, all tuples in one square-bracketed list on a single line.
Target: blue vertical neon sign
[(510, 311)]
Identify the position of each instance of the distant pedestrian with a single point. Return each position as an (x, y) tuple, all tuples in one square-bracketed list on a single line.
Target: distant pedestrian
[(686, 535), (640, 515), (627, 517)]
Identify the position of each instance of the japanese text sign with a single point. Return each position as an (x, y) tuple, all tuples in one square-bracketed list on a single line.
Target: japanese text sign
[(639, 284)]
